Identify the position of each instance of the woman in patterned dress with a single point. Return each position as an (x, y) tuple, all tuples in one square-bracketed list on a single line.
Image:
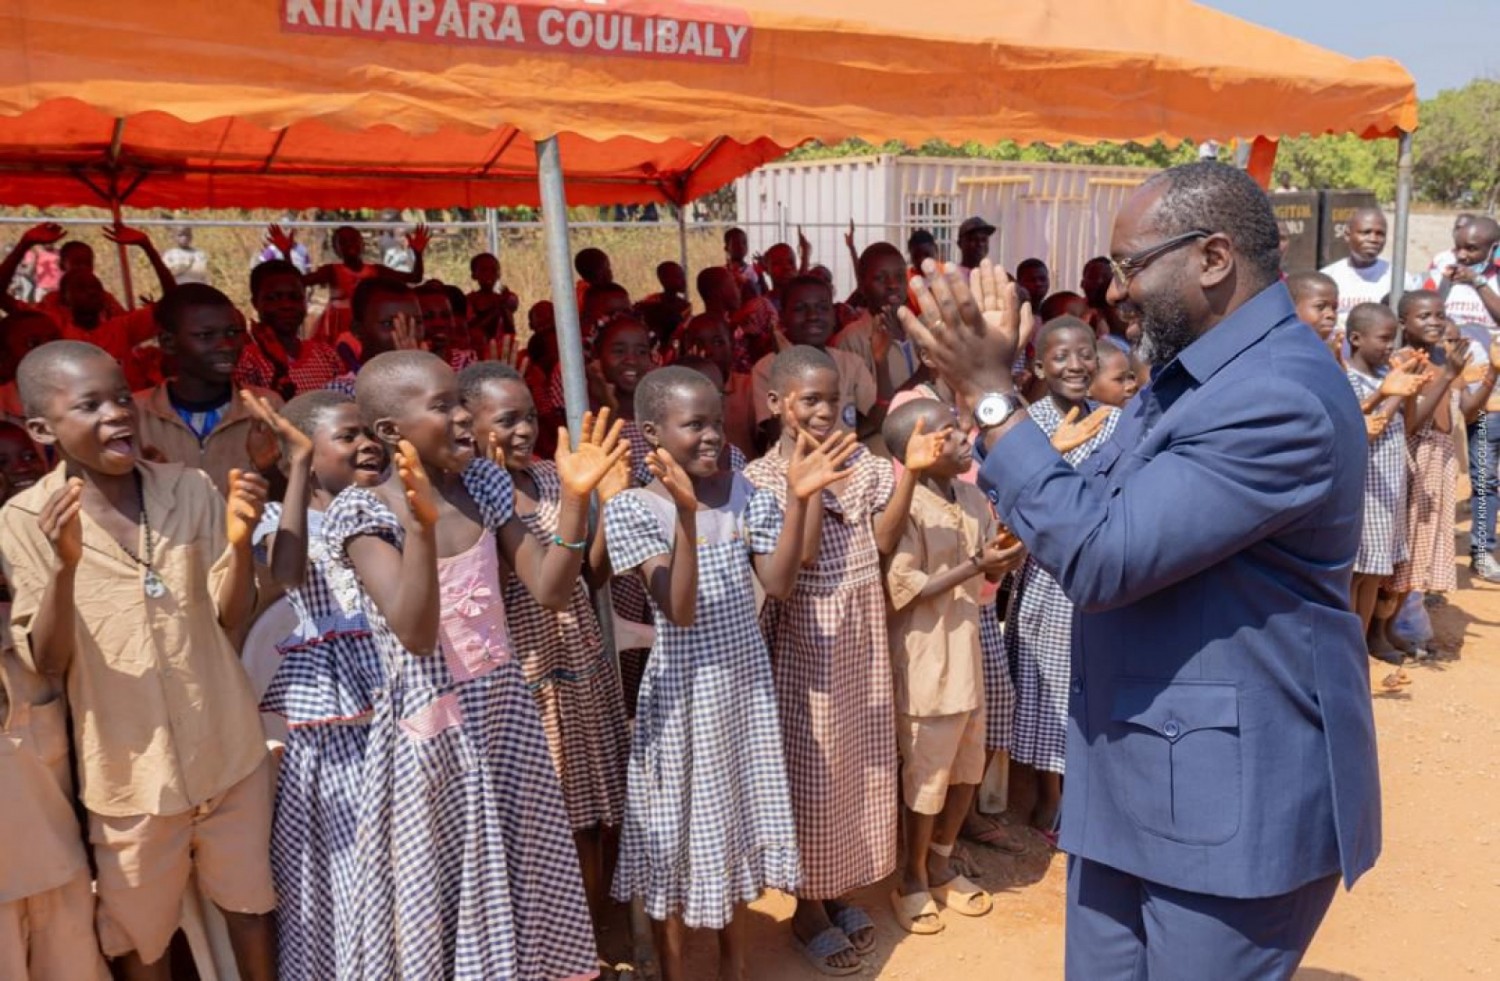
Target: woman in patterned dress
[(466, 866), (831, 659), (1039, 624), (1383, 393), (571, 677), (708, 818), (324, 685)]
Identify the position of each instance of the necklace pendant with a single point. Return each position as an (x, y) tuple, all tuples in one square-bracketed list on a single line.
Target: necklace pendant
[(155, 588)]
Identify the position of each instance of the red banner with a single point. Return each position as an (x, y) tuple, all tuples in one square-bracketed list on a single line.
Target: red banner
[(671, 30)]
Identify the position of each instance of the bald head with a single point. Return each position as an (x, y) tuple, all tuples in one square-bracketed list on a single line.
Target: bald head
[(902, 422), (389, 380), (39, 372)]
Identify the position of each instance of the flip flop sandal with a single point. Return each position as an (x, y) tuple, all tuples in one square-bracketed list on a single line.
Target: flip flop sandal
[(851, 919), (918, 904), (963, 897), (998, 837), (824, 946)]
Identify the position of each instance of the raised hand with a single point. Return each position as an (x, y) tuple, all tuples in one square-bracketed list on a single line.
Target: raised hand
[(262, 446), (970, 330), (849, 236), (817, 466), (601, 392), (406, 332), (494, 451), (616, 479), (1458, 354), (247, 498), (298, 443), (679, 486), (60, 521), (418, 238), (125, 235), (1001, 555), (44, 234), (421, 498), (1074, 432), (281, 240), (1375, 424), (580, 468), (804, 248), (880, 340), (923, 449)]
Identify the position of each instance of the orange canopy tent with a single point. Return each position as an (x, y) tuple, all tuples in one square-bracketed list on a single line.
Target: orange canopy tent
[(400, 102)]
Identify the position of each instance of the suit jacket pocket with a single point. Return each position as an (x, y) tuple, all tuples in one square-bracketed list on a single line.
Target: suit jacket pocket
[(1175, 750)]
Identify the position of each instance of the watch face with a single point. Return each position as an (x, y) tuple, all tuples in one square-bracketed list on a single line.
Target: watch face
[(992, 410)]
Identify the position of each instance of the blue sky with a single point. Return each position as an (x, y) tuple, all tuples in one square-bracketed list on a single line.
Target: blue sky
[(1443, 43)]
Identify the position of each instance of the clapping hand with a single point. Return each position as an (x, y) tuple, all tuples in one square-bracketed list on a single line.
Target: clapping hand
[(122, 234), (418, 238), (581, 467), (817, 466), (421, 497), (676, 481), (298, 443), (281, 240), (406, 332), (1075, 432), (1000, 555), (1375, 424), (924, 449), (970, 330), (1405, 379), (246, 500), (60, 521)]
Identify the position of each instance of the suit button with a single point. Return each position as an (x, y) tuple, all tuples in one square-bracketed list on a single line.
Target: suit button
[(1077, 687), (1171, 729)]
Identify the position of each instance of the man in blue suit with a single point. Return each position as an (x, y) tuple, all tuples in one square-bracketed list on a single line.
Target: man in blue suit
[(1221, 748)]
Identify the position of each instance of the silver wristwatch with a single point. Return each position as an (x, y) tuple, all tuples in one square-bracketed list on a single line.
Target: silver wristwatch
[(995, 409)]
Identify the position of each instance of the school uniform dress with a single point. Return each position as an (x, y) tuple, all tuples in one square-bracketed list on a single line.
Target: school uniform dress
[(1382, 544), (1429, 566), (466, 866), (830, 658), (324, 688), (338, 316), (1039, 635), (571, 679), (999, 687), (263, 364), (708, 815)]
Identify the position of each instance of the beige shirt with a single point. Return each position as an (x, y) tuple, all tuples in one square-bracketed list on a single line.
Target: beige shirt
[(739, 413), (901, 360), (224, 450), (163, 714), (41, 844), (856, 386), (935, 641)]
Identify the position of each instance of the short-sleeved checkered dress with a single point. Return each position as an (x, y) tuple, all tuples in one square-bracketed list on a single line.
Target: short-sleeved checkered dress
[(1431, 554), (324, 687), (999, 689), (626, 592), (1039, 636), (831, 658), (466, 866), (1382, 543), (572, 680), (708, 816)]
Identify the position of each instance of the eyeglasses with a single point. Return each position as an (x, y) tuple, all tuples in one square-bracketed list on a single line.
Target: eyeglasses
[(1126, 269)]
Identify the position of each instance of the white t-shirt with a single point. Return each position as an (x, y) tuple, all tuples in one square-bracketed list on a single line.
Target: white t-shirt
[(1461, 301), (1368, 285)]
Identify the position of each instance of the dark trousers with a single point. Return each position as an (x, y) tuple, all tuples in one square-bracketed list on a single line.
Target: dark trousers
[(1123, 928), (1484, 455)]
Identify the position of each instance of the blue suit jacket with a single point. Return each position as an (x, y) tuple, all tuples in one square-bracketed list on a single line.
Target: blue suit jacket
[(1221, 738)]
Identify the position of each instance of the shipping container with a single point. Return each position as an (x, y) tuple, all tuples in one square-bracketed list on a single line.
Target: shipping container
[(1060, 213)]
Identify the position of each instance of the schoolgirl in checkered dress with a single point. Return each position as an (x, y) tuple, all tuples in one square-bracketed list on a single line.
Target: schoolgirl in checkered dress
[(708, 816), (831, 661), (324, 687), (572, 680), (1382, 543), (1039, 634), (467, 868), (1431, 553)]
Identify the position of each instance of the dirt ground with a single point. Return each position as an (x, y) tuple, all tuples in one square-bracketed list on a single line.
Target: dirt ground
[(1429, 910)]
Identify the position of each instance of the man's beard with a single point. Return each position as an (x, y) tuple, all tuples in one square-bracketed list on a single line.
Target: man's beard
[(1166, 329)]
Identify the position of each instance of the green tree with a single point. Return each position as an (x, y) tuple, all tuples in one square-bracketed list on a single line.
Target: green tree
[(1338, 162), (1457, 147)]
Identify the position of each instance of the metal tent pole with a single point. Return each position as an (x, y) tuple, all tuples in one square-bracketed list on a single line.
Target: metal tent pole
[(1403, 217), (492, 230), (559, 268), (682, 244), (125, 283)]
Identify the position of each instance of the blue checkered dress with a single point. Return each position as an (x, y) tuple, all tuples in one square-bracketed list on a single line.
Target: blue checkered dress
[(1383, 542), (1039, 636), (999, 689), (467, 869), (708, 816), (323, 687)]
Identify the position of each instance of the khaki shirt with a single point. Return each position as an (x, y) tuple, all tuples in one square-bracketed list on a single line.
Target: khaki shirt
[(739, 413), (163, 714), (224, 450), (901, 360), (935, 641)]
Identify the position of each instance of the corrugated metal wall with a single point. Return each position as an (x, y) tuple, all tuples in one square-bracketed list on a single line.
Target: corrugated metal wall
[(1061, 213)]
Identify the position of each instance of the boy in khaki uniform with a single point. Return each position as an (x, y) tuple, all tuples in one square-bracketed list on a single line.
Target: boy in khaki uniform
[(153, 571), (46, 903), (951, 539)]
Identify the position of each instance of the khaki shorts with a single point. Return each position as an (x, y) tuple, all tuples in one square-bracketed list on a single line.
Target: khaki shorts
[(938, 751), (51, 935), (144, 862)]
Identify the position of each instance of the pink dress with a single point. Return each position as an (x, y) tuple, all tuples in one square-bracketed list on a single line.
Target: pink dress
[(338, 316)]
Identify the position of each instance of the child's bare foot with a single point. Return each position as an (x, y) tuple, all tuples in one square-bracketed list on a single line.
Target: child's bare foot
[(823, 944)]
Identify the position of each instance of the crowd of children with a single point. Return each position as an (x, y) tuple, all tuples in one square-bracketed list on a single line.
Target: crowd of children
[(779, 492)]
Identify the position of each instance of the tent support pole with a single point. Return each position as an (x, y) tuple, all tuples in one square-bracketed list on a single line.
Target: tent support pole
[(1403, 217), (492, 220), (682, 243)]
